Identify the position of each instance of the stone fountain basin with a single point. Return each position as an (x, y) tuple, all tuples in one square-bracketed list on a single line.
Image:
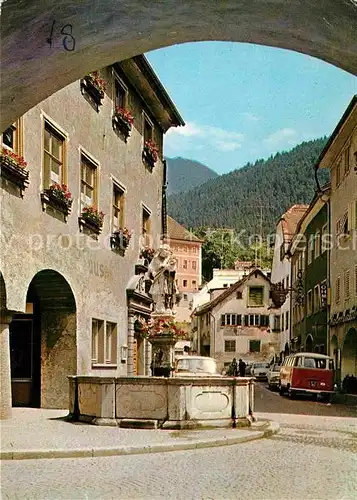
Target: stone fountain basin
[(159, 402)]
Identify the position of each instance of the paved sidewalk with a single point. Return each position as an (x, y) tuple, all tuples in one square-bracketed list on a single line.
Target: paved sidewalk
[(38, 433)]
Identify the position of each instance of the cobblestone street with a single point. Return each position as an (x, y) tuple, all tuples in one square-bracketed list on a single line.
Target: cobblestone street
[(313, 457)]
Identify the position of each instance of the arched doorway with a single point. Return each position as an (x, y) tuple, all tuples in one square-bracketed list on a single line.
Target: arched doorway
[(100, 33), (309, 343), (349, 354), (43, 344)]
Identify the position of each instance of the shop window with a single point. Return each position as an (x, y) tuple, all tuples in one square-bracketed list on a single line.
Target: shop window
[(254, 346), (89, 182), (118, 207), (104, 342), (256, 296), (230, 346), (53, 157)]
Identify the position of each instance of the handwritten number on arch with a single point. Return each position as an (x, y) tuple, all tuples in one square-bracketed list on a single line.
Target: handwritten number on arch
[(69, 42)]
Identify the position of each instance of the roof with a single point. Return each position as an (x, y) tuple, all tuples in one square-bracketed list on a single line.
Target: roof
[(291, 218), (337, 130), (315, 206), (177, 232), (314, 354), (141, 74), (210, 305)]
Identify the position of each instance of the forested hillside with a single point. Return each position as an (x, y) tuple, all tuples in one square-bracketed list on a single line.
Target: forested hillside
[(233, 200), (184, 174)]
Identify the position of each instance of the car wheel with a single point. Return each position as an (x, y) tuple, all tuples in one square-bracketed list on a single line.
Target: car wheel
[(291, 394), (281, 390)]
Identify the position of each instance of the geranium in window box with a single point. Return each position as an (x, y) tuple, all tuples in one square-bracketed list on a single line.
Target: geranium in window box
[(59, 197), (150, 153), (13, 168), (147, 253), (123, 121), (160, 329), (92, 218), (94, 86), (120, 239)]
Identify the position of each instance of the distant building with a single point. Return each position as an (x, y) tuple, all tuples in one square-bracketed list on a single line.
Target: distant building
[(236, 322), (309, 260), (187, 248), (340, 157), (281, 271)]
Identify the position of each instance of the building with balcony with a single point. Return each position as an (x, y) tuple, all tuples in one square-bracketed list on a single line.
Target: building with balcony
[(74, 221)]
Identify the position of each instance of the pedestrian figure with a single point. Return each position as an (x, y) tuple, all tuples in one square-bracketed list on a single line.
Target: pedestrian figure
[(241, 366), (234, 368)]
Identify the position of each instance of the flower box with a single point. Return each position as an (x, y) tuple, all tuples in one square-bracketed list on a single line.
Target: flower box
[(92, 219), (150, 153), (58, 197), (120, 239), (13, 169), (123, 121), (94, 87)]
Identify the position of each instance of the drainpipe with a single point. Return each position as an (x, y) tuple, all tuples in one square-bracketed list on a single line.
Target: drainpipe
[(163, 201)]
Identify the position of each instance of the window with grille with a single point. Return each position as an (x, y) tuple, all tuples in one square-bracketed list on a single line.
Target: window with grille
[(256, 296), (118, 207), (89, 195), (53, 157), (347, 285), (230, 346), (338, 290)]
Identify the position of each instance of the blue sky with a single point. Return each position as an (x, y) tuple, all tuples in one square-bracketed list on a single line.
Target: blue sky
[(242, 102)]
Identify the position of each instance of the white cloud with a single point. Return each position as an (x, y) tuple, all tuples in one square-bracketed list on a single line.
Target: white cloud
[(193, 136), (282, 137), (251, 117)]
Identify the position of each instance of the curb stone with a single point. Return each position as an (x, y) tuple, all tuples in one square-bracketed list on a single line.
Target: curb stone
[(268, 430)]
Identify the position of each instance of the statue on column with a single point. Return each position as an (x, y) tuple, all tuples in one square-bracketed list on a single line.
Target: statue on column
[(163, 290)]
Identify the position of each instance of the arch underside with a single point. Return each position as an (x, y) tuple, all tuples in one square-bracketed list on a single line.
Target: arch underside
[(47, 48)]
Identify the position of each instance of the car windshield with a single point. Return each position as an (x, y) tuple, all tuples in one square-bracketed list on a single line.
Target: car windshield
[(318, 363), (196, 365)]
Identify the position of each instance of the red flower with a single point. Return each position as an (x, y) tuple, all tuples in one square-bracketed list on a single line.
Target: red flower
[(13, 157)]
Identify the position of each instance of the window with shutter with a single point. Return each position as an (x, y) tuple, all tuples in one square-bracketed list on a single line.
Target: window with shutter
[(338, 290), (239, 318), (347, 285), (256, 296)]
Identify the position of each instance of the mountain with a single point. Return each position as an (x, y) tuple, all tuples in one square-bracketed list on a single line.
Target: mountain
[(184, 174), (254, 196)]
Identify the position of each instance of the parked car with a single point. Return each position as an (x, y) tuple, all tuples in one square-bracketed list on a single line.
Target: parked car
[(273, 376), (309, 373), (260, 370), (195, 366)]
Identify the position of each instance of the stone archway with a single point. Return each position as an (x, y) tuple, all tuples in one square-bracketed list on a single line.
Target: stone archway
[(43, 343), (309, 343), (46, 49), (349, 354)]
